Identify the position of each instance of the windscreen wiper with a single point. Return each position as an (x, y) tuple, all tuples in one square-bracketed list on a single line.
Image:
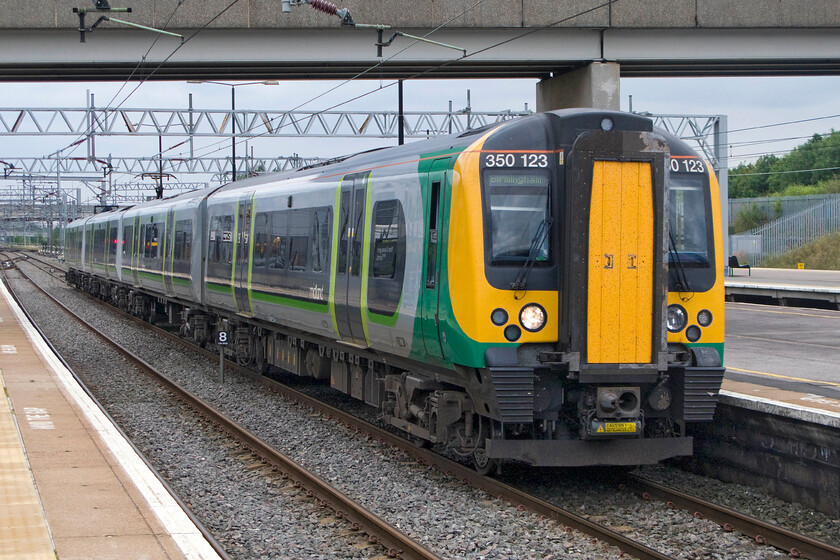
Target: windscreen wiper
[(682, 279), (539, 238)]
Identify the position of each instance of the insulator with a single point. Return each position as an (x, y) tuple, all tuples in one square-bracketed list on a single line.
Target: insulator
[(324, 6)]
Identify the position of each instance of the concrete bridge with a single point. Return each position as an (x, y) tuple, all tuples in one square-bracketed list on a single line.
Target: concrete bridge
[(557, 42)]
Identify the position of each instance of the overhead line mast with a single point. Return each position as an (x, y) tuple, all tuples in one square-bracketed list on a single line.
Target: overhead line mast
[(102, 6), (347, 21)]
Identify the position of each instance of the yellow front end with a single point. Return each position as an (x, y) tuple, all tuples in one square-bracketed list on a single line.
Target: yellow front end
[(705, 310), (473, 298)]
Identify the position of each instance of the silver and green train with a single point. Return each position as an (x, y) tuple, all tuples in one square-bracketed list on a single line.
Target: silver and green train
[(547, 290)]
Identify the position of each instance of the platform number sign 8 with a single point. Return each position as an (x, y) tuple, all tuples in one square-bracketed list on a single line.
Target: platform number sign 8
[(222, 338)]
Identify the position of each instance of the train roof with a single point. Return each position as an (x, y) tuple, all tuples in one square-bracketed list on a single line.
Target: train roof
[(375, 157)]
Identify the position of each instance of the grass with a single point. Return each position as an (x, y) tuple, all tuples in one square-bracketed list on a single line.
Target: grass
[(822, 254)]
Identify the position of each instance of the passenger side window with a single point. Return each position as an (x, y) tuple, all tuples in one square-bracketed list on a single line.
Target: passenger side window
[(260, 240), (221, 239), (151, 240), (112, 243), (277, 245), (99, 244), (183, 240), (388, 251), (388, 238), (299, 239), (320, 239), (128, 239)]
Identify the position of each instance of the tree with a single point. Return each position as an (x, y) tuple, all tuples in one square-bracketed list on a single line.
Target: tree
[(771, 175), (748, 181)]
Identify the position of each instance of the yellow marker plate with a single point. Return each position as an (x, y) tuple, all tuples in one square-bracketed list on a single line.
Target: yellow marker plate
[(620, 427)]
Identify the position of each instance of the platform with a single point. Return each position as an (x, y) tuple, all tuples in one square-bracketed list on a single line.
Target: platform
[(808, 407), (784, 286), (71, 486)]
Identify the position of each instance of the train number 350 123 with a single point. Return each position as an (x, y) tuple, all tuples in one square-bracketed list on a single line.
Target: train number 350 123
[(687, 165), (516, 160)]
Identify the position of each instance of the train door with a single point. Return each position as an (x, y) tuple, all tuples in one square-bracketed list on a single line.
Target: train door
[(108, 258), (242, 267), (135, 252), (615, 288), (168, 243), (348, 271), (438, 176), (89, 247), (620, 291)]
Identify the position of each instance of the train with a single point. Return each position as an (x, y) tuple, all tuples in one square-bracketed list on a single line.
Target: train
[(546, 290)]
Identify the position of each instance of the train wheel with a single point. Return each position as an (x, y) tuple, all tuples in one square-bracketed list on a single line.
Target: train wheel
[(260, 362), (420, 442), (483, 464)]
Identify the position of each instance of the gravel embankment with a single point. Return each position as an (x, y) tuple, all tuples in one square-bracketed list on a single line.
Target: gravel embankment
[(259, 519)]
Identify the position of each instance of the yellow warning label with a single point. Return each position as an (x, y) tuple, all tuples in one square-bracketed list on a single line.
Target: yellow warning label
[(601, 429), (620, 427)]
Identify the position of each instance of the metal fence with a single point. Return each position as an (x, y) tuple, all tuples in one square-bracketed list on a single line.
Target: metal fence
[(788, 233), (774, 207)]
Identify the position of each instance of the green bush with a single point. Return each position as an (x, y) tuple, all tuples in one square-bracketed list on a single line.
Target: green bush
[(822, 254), (750, 217)]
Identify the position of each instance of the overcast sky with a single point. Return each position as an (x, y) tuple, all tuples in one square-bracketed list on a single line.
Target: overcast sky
[(748, 102)]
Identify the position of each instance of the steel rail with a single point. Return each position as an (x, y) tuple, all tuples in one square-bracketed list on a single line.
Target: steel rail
[(208, 536), (796, 544), (493, 487), (730, 520), (397, 543)]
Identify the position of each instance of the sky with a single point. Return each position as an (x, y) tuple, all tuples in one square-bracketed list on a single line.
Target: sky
[(747, 102)]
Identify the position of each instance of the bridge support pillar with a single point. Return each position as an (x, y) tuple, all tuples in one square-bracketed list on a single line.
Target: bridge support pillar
[(595, 85)]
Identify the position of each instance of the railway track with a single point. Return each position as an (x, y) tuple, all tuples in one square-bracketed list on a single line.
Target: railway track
[(795, 544), (465, 474), (396, 543), (763, 533)]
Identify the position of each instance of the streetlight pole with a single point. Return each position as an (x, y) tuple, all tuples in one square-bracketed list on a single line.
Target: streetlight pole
[(233, 130), (232, 112), (400, 115)]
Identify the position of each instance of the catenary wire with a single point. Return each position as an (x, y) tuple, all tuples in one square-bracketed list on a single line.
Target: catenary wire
[(342, 84), (143, 80), (444, 64)]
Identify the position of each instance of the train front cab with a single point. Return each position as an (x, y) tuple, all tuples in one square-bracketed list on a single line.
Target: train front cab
[(609, 382)]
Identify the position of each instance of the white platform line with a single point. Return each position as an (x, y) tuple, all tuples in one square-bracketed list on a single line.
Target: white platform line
[(183, 531), (789, 410)]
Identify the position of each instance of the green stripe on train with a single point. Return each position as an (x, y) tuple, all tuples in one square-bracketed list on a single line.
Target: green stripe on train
[(156, 276), (291, 302)]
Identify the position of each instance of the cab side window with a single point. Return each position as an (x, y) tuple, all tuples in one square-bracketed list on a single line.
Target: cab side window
[(387, 257)]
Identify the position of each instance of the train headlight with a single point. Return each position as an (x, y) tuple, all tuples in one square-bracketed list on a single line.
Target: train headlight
[(704, 318), (532, 317), (677, 318)]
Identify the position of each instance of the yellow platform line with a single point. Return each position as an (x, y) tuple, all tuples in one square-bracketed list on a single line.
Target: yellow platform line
[(777, 341), (784, 376), (758, 309)]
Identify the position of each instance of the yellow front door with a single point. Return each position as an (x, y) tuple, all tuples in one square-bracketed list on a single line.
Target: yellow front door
[(620, 291)]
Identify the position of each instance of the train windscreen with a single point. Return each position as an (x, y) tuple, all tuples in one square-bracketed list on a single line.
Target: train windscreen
[(519, 212), (691, 243)]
